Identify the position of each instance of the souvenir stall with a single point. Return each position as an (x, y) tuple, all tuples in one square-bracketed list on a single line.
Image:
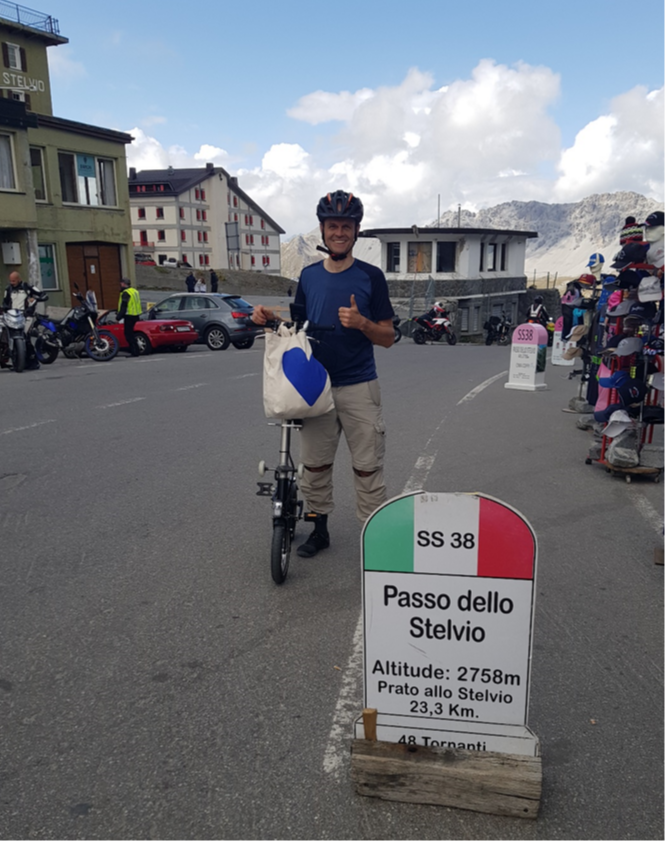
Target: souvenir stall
[(616, 329)]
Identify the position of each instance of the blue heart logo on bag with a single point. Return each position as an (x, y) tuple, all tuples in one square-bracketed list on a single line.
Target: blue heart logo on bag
[(307, 376)]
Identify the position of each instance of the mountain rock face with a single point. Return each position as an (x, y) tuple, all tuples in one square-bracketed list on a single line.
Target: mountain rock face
[(567, 233)]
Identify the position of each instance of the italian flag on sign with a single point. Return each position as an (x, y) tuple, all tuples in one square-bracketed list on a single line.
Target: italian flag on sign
[(449, 534)]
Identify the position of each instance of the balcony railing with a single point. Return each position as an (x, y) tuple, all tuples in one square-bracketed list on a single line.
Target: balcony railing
[(143, 244), (29, 17)]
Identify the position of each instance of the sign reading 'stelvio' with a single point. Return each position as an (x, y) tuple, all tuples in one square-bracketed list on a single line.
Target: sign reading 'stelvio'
[(528, 358)]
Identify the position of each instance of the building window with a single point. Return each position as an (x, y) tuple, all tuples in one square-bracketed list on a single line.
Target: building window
[(86, 180), (161, 235), (420, 257), (200, 259), (143, 236), (7, 176), (491, 256), (14, 57), (38, 180), (67, 177), (198, 215), (204, 215), (445, 256), (107, 192), (481, 264), (183, 236), (197, 194), (203, 195), (246, 239), (246, 219), (141, 212), (504, 256), (253, 260), (392, 249), (475, 326), (263, 223), (205, 236), (207, 259), (182, 212), (198, 234), (251, 221), (235, 201), (464, 319), (49, 277), (184, 258), (235, 217), (159, 211)]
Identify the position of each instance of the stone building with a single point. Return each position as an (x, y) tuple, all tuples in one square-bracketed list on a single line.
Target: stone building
[(479, 271), (201, 216), (64, 201)]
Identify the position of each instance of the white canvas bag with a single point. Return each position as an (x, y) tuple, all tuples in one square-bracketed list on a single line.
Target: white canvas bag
[(295, 384)]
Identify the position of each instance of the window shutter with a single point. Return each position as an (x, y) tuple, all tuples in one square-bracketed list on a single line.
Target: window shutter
[(24, 59), (5, 54)]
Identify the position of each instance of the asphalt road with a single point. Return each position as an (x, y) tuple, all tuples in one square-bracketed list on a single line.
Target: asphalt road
[(155, 683)]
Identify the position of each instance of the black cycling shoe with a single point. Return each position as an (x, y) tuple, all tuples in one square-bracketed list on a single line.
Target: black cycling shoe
[(319, 539)]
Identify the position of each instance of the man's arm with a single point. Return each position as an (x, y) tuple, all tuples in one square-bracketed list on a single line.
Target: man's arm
[(378, 332), (123, 306)]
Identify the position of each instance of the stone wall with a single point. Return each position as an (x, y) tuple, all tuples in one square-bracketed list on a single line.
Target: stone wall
[(235, 281)]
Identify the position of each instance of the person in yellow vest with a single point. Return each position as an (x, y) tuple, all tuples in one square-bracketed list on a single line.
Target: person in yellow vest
[(129, 310)]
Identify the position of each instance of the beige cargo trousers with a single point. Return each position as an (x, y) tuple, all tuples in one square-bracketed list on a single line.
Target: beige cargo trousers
[(358, 415)]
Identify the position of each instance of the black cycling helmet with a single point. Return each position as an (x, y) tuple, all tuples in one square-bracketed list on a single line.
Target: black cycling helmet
[(340, 205), (538, 299)]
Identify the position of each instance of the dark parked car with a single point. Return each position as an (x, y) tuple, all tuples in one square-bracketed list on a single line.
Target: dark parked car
[(219, 319)]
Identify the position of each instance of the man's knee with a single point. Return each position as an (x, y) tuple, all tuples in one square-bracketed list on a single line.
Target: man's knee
[(318, 469), (364, 473)]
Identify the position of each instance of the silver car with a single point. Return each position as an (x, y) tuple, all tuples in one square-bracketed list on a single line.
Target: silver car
[(220, 319)]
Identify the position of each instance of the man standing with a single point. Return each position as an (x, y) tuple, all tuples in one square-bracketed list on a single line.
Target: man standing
[(129, 310), (22, 296), (352, 296), (214, 282), (190, 282)]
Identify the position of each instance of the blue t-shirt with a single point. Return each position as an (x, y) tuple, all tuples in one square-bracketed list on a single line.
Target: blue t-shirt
[(347, 354)]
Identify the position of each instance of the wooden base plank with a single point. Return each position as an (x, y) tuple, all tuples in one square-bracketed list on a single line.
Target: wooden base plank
[(495, 783)]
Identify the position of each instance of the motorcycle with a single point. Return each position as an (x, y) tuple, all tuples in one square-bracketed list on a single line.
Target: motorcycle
[(548, 325), (498, 328), (75, 334), (12, 339), (433, 330), (398, 332)]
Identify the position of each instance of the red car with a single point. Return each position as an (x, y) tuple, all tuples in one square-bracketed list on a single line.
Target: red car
[(176, 334)]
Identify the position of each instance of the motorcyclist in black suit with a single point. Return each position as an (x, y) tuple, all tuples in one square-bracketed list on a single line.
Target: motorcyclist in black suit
[(22, 296)]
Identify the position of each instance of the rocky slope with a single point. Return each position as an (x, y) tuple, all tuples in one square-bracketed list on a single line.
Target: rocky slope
[(567, 233)]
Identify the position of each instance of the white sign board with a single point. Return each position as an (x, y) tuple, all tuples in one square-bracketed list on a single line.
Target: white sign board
[(559, 345), (448, 590), (528, 356)]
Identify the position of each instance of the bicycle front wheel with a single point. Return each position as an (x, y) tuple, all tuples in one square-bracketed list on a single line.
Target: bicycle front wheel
[(280, 551)]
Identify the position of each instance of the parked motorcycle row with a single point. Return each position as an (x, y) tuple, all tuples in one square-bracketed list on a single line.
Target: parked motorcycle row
[(76, 334)]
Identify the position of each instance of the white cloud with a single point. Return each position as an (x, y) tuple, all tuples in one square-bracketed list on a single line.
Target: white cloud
[(62, 66), (322, 107), (477, 141), (147, 152), (153, 120), (618, 151)]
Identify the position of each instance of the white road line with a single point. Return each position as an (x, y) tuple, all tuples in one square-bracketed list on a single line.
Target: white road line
[(346, 709), (121, 403), (194, 385), (29, 426), (475, 391), (243, 376), (646, 509)]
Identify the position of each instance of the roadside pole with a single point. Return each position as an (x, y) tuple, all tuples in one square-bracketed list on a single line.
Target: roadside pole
[(448, 599)]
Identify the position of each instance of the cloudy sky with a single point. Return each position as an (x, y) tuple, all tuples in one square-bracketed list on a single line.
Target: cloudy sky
[(405, 104)]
